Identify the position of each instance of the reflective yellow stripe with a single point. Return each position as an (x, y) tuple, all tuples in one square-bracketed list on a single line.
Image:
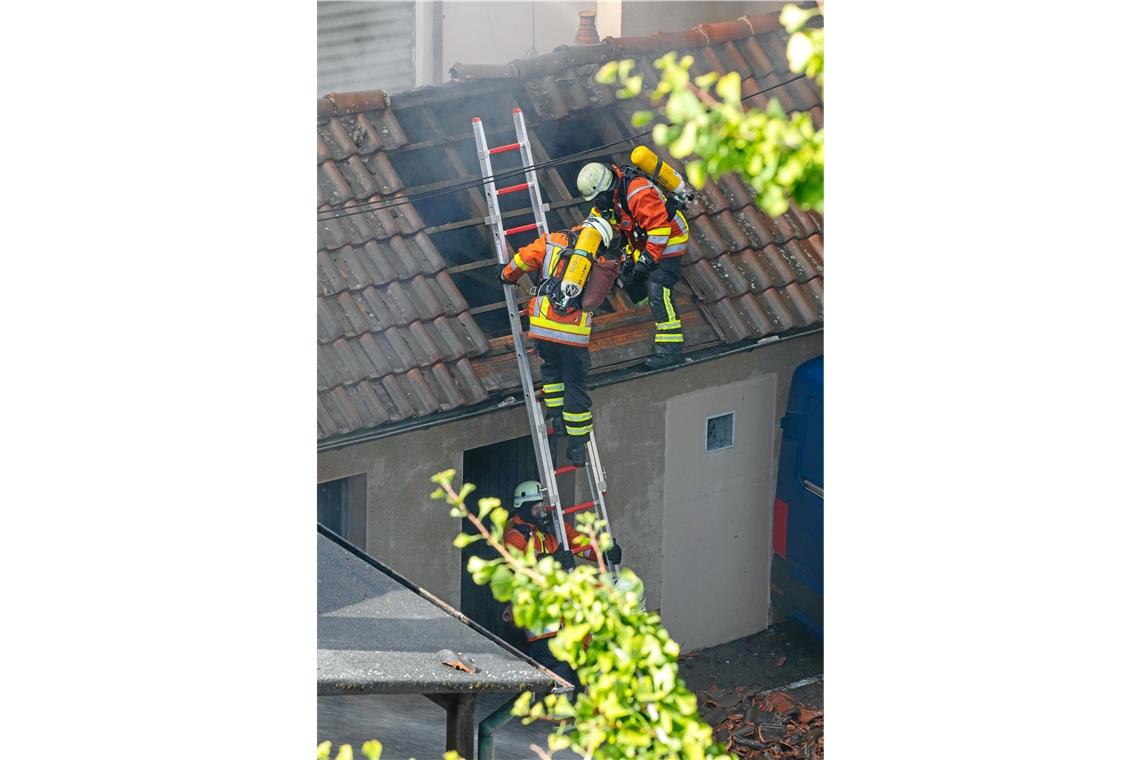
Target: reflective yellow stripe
[(584, 430), (521, 264), (577, 416), (554, 387), (669, 304), (669, 338), (555, 402), (673, 325), (558, 336), (659, 231)]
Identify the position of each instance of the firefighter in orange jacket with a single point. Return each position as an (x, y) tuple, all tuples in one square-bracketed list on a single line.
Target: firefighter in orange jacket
[(532, 523), (657, 235), (562, 337)]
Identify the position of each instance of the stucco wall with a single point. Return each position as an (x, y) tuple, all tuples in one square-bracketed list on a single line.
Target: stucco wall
[(413, 534)]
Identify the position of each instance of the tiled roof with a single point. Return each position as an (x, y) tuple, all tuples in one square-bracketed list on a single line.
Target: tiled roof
[(410, 317)]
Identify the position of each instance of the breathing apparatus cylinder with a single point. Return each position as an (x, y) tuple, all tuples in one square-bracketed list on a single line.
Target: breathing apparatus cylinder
[(646, 160), (578, 267)]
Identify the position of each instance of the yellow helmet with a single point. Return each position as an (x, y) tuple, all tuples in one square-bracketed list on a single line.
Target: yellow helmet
[(594, 178)]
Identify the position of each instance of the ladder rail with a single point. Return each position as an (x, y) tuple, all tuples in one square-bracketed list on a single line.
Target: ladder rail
[(534, 411), (595, 473)]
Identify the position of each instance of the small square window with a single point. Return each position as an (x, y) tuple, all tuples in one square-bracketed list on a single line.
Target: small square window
[(720, 432)]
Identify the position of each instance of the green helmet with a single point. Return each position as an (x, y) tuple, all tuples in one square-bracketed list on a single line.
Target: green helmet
[(594, 178)]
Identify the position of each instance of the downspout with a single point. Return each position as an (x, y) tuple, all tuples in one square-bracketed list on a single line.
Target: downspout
[(486, 748)]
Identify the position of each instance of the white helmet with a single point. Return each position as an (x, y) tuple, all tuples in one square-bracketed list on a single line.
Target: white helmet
[(602, 226), (527, 491), (593, 179)]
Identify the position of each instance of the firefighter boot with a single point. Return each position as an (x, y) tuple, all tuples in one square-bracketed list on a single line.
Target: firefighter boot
[(576, 451), (664, 357)]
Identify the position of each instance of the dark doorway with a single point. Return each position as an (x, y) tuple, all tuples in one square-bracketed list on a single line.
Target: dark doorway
[(495, 470)]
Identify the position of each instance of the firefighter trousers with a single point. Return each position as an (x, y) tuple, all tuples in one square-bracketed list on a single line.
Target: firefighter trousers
[(564, 386), (668, 339)]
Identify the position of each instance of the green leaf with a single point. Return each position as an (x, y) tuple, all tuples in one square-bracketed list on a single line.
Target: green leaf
[(607, 74), (466, 491), (704, 81), (695, 170), (793, 18), (775, 109), (345, 752), (323, 750), (371, 749), (799, 52), (641, 118), (557, 742), (499, 517), (728, 88), (466, 539), (442, 478), (683, 145), (486, 504), (501, 583)]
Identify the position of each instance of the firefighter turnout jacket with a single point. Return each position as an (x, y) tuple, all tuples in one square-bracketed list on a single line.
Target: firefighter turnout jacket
[(643, 218), (520, 533), (544, 257)]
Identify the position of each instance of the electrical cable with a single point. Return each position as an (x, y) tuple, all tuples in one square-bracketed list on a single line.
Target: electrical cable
[(370, 206)]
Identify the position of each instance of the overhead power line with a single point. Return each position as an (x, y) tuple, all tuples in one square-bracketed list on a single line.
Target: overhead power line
[(370, 206)]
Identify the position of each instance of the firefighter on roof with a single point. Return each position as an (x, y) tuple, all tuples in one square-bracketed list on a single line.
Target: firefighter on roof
[(657, 234)]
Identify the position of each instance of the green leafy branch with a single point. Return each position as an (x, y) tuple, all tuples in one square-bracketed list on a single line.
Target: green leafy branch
[(633, 703), (705, 122)]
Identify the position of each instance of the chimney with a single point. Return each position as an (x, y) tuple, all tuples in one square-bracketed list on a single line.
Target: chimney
[(587, 30)]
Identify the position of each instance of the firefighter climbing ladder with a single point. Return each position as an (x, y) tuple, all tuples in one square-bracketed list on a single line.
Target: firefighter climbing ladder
[(538, 433)]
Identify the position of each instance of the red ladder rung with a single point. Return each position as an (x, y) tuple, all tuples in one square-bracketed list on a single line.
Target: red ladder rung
[(523, 228), (578, 507), (512, 189), (504, 148), (566, 469)]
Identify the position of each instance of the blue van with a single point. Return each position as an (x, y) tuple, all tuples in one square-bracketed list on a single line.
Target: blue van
[(797, 521)]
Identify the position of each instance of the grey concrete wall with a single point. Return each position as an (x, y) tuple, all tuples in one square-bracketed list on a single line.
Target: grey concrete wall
[(413, 534)]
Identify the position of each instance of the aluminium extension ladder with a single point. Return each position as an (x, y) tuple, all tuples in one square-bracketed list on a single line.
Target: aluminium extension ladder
[(538, 431)]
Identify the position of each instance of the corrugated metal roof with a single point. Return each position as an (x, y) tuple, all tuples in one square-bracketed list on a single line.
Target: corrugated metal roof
[(408, 316)]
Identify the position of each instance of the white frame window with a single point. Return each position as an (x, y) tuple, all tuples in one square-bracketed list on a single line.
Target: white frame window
[(731, 427)]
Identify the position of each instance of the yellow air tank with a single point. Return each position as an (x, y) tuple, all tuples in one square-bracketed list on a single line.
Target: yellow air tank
[(646, 160), (580, 263)]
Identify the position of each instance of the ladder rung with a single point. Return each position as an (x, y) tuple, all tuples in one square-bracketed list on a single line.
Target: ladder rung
[(523, 228), (504, 148), (566, 469), (578, 507), (512, 189)]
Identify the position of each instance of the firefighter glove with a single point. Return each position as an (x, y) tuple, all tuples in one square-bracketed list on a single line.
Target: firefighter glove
[(613, 554), (503, 275), (645, 264), (565, 558)]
